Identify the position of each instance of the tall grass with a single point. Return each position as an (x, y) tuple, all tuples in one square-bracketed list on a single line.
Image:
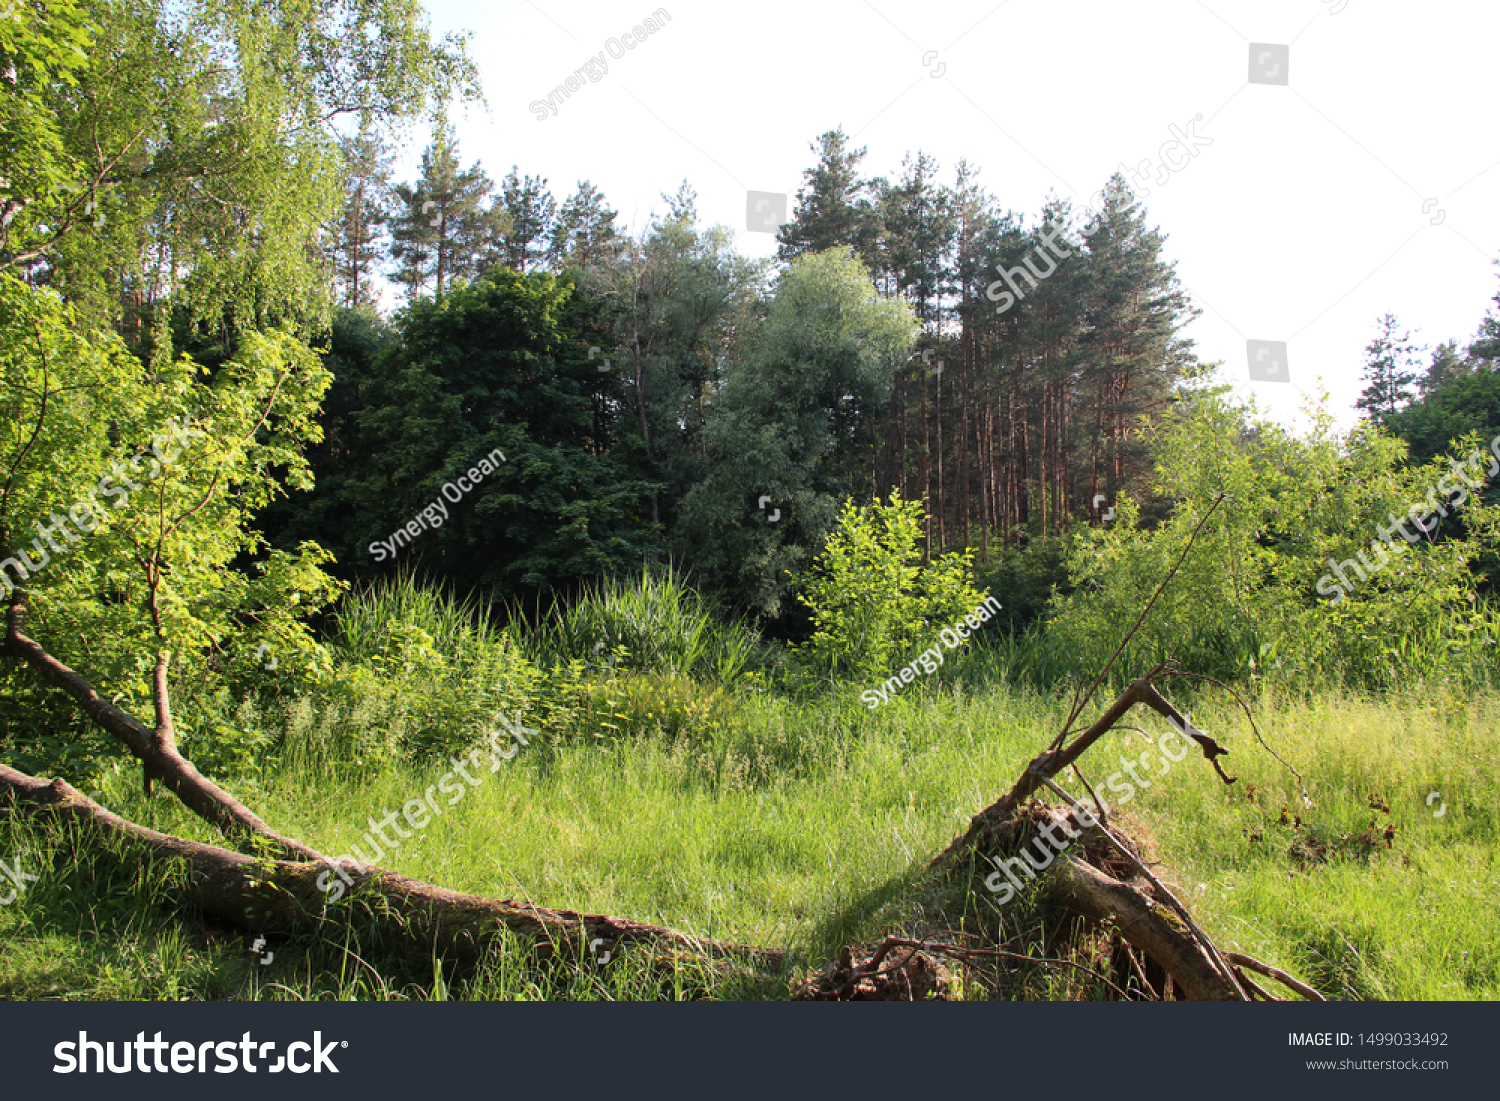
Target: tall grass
[(367, 620), (789, 820), (654, 623), (807, 826)]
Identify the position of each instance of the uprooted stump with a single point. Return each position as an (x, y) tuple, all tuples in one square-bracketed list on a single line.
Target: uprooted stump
[(1091, 884), (1094, 916), (1097, 918)]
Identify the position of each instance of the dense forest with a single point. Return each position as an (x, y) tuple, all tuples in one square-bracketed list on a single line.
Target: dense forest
[(651, 390)]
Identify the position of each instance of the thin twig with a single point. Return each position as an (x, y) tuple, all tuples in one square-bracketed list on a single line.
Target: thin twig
[(1275, 973), (1098, 804), (1306, 798), (1135, 965)]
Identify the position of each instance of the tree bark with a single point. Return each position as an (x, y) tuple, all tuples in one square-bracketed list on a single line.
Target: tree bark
[(1144, 923)]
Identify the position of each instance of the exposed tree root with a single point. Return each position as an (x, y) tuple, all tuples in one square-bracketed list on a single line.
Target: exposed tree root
[(917, 976)]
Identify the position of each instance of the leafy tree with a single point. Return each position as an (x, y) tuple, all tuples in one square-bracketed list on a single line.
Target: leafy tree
[(128, 494), (44, 48), (668, 312), (1468, 405), (1465, 403), (196, 159), (1311, 567), (1389, 372), (493, 366), (333, 512), (796, 420), (873, 602)]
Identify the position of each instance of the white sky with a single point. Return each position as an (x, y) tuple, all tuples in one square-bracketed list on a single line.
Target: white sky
[(1302, 222)]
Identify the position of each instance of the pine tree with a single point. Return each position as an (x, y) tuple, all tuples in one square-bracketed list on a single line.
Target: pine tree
[(1388, 371), (1447, 364), (529, 212), (681, 207), (834, 205), (441, 228), (919, 228), (584, 233), (1486, 345), (1132, 355), (357, 235)]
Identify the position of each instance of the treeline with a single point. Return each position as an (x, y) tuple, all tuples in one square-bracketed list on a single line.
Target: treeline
[(654, 393), (1046, 351), (915, 336)]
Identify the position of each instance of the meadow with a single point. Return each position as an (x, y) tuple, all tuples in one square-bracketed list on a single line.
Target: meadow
[(759, 813)]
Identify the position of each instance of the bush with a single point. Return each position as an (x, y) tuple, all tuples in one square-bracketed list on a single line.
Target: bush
[(1025, 580), (428, 674), (1252, 598), (872, 600)]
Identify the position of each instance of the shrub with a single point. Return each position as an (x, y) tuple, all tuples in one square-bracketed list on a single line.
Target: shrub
[(873, 602), (1252, 597)]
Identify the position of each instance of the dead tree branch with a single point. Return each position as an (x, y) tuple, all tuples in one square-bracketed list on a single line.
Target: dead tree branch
[(1274, 973)]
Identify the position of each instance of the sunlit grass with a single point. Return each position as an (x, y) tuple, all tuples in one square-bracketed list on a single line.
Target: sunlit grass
[(783, 827)]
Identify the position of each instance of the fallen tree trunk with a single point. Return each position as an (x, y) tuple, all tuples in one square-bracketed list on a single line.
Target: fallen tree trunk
[(283, 896), (1086, 890)]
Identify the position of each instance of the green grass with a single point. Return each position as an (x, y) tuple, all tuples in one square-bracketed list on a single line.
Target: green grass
[(655, 622), (797, 824)]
